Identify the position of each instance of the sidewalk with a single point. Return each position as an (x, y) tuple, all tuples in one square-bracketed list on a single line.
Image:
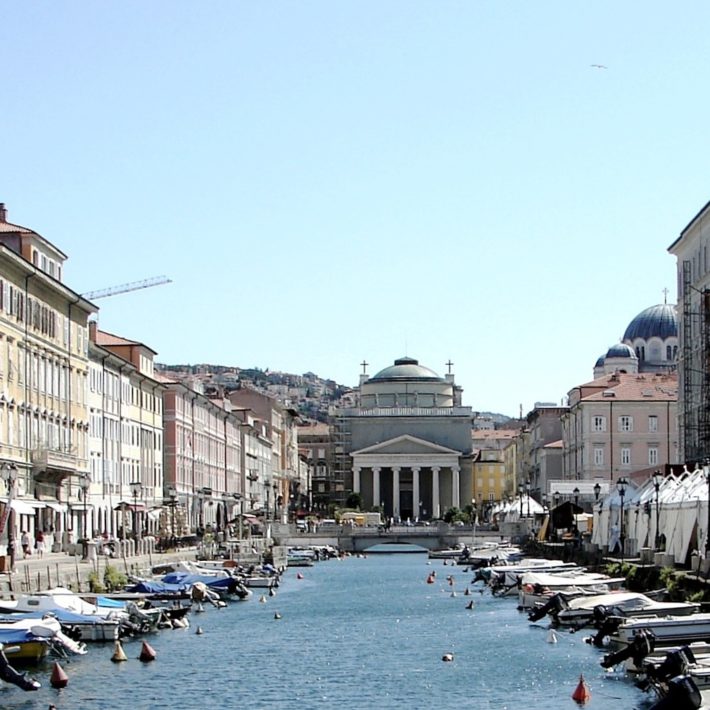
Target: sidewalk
[(58, 569)]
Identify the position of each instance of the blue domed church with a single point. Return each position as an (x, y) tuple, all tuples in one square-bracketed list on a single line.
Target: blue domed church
[(650, 344)]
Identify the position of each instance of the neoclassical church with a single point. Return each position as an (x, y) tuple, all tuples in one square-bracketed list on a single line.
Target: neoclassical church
[(408, 441), (650, 344)]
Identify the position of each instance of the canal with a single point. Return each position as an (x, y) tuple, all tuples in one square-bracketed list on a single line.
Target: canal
[(362, 632)]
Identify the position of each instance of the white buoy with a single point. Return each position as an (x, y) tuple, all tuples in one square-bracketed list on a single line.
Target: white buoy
[(551, 636), (447, 657)]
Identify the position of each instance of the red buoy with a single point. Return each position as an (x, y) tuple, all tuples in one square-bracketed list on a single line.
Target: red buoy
[(59, 678), (147, 653), (581, 693), (430, 579)]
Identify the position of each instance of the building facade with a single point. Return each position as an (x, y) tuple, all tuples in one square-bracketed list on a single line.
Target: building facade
[(408, 442)]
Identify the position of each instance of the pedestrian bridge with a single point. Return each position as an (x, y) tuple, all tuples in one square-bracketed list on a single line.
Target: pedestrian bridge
[(361, 539)]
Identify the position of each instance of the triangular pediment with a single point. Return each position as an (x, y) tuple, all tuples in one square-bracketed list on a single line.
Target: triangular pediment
[(406, 444)]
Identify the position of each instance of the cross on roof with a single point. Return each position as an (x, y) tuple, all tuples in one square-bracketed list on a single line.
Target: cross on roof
[(364, 365), (665, 295), (449, 364)]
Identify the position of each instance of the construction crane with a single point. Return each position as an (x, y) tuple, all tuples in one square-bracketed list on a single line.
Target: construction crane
[(123, 288)]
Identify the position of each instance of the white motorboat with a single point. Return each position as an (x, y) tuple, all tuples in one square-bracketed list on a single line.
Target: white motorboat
[(504, 579), (537, 587), (584, 609), (666, 630)]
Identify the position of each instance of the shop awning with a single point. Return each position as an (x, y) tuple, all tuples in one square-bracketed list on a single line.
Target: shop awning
[(55, 506), (125, 505), (19, 506)]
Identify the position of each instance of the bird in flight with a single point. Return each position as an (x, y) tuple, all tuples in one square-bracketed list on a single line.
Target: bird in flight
[(598, 66)]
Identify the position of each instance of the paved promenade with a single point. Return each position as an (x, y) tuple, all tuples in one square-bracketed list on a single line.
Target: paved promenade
[(60, 569)]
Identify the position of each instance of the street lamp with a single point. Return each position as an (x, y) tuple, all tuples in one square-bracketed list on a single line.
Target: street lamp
[(9, 475), (172, 494), (527, 491), (576, 496), (520, 493), (135, 487), (597, 491), (621, 487), (657, 478), (84, 483), (706, 471), (275, 488)]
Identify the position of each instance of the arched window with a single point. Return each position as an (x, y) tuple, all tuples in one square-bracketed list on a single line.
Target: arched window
[(669, 352)]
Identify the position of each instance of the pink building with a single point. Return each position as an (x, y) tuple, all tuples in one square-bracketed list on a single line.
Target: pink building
[(619, 424)]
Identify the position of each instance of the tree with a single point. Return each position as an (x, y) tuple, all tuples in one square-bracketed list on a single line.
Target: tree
[(354, 500)]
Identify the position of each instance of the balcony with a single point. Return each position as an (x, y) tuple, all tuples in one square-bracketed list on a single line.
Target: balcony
[(55, 462)]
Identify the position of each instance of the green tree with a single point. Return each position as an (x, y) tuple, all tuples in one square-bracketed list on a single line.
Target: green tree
[(354, 500)]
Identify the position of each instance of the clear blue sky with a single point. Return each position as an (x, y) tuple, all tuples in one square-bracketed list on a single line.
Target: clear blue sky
[(331, 181)]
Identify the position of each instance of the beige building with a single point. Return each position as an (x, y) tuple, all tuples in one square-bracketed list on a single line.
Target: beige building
[(693, 269), (126, 437), (44, 421)]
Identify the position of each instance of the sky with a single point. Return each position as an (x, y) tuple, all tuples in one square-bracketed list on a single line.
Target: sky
[(331, 182)]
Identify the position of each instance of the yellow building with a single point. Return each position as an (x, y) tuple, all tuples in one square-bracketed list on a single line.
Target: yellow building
[(43, 384)]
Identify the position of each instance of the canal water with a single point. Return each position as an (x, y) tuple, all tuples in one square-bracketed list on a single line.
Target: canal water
[(358, 633)]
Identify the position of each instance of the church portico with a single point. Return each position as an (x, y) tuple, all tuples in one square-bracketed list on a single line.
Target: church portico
[(411, 478)]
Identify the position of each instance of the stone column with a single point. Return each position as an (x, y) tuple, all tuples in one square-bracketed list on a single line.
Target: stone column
[(356, 479), (376, 486), (395, 491), (455, 470), (415, 491), (435, 507)]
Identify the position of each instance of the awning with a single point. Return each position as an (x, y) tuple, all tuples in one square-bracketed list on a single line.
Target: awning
[(79, 507), (57, 507), (22, 508), (125, 505), (154, 514)]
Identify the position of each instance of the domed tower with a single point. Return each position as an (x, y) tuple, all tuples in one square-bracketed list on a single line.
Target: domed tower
[(653, 334), (618, 358)]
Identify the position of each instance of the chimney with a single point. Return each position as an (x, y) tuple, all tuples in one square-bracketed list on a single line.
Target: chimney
[(3, 212)]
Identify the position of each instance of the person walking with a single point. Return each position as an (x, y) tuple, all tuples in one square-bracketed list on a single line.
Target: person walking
[(25, 542), (39, 543)]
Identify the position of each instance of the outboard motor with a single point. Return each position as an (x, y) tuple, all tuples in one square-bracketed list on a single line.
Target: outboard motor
[(643, 644), (674, 664), (553, 605), (682, 694), (10, 675), (600, 613), (610, 625)]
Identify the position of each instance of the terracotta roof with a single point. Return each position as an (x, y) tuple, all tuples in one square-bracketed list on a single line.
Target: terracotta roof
[(629, 387), (8, 227), (554, 445), (103, 338)]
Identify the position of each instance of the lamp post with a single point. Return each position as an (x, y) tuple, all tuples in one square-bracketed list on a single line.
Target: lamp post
[(597, 491), (575, 492), (527, 492), (621, 487), (657, 478), (9, 475), (172, 494), (275, 488), (135, 487), (520, 493), (706, 471), (84, 483)]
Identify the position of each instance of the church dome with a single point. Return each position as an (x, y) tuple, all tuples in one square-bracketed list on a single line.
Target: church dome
[(600, 361), (406, 368), (657, 321), (621, 350)]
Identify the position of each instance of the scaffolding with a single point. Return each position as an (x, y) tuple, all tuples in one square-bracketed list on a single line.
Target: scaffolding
[(341, 481), (695, 412)]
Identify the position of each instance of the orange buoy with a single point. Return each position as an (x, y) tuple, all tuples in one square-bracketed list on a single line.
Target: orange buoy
[(581, 693), (430, 579), (118, 653), (147, 653), (59, 678)]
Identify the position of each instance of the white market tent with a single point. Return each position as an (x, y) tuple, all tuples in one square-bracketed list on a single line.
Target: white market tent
[(682, 516)]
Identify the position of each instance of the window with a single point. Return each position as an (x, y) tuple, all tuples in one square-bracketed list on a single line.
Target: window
[(598, 423), (653, 423), (653, 456), (626, 423), (625, 456), (598, 456), (669, 352)]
